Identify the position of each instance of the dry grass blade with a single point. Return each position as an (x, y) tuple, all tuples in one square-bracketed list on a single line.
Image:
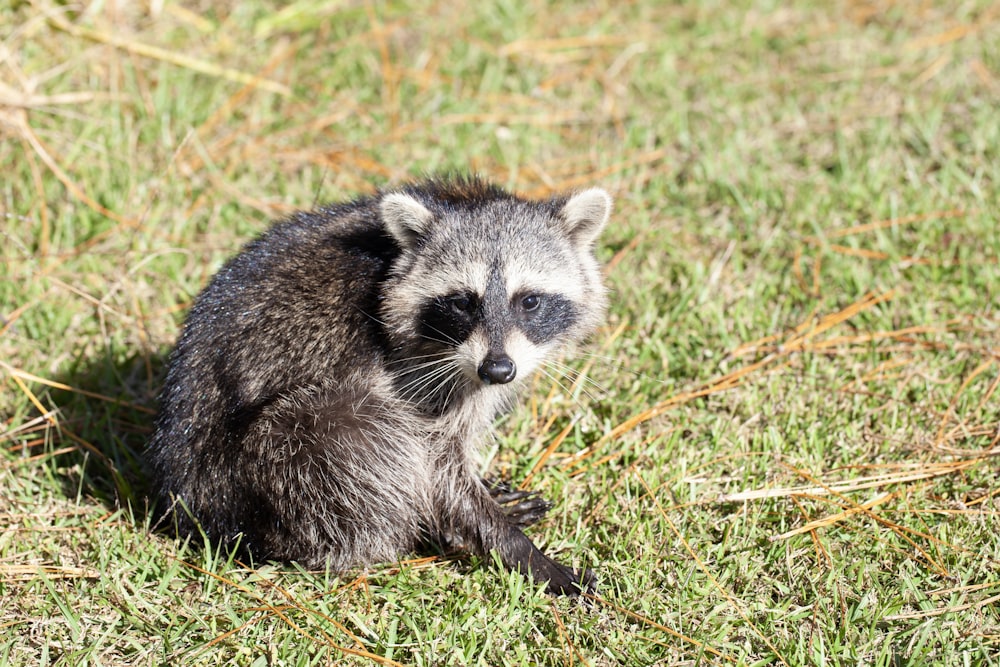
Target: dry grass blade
[(736, 605), (930, 613), (662, 628), (12, 98), (28, 572), (894, 222), (908, 535), (799, 341), (589, 178), (9, 319), (954, 33), (296, 604), (37, 457), (76, 190), (172, 57), (42, 422), (927, 471), (571, 650), (527, 46), (224, 113), (552, 447), (31, 377), (34, 400), (980, 369), (834, 518), (279, 611)]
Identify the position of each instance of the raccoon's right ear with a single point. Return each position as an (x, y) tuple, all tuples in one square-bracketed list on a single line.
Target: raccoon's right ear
[(405, 218)]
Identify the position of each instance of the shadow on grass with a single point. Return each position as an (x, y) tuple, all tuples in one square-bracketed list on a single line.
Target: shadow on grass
[(105, 420)]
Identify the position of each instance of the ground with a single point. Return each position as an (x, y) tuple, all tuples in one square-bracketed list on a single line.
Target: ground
[(780, 449)]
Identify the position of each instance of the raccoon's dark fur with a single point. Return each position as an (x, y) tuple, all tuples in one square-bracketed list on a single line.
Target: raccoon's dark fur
[(332, 385)]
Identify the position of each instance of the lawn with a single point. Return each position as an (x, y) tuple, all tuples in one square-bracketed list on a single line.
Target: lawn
[(782, 448)]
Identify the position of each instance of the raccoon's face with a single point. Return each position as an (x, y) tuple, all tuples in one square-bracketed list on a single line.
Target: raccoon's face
[(483, 293)]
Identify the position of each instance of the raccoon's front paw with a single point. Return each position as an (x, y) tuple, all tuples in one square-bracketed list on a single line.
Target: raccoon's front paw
[(564, 580), (520, 553), (523, 508), (559, 579)]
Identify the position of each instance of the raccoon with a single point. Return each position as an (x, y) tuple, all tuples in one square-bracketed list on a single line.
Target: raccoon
[(331, 388)]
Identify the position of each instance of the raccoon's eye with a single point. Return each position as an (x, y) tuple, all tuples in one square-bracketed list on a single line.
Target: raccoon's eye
[(463, 304), (530, 302)]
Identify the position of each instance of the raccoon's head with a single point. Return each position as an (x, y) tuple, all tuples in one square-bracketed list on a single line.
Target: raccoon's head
[(487, 286)]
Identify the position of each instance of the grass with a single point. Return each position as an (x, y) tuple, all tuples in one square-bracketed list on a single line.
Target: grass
[(788, 455)]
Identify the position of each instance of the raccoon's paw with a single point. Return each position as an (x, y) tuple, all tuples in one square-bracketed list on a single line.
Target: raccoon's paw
[(564, 580), (523, 508)]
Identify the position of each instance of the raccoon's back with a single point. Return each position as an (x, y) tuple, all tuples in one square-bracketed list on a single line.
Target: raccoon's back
[(296, 307)]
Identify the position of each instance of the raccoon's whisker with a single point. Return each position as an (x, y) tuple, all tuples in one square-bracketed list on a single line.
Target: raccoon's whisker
[(369, 315), (441, 341), (418, 370), (555, 378), (575, 375), (418, 385), (449, 379), (454, 371), (447, 398), (619, 366), (565, 368), (600, 357), (430, 392), (414, 386), (426, 389), (447, 338), (438, 359), (437, 356)]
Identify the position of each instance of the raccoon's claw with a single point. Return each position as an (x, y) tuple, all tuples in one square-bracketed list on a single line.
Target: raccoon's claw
[(523, 508), (504, 493), (528, 512), (588, 581), (567, 581)]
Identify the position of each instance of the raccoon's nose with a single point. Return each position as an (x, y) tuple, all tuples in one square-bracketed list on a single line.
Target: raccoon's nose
[(497, 370)]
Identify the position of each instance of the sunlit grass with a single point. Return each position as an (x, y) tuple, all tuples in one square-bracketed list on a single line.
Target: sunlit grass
[(785, 451)]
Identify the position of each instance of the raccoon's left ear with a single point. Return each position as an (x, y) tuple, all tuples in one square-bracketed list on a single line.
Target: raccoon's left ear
[(405, 218), (584, 216)]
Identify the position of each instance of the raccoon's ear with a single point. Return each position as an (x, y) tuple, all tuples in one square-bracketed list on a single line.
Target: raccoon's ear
[(405, 218), (584, 216)]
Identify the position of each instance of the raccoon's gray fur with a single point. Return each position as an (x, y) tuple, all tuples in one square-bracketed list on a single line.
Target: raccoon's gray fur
[(332, 385)]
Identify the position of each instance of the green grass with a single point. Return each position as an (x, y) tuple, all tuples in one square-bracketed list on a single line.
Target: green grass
[(748, 147)]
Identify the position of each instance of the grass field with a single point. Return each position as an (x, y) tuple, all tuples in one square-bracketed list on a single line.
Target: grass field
[(787, 452)]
